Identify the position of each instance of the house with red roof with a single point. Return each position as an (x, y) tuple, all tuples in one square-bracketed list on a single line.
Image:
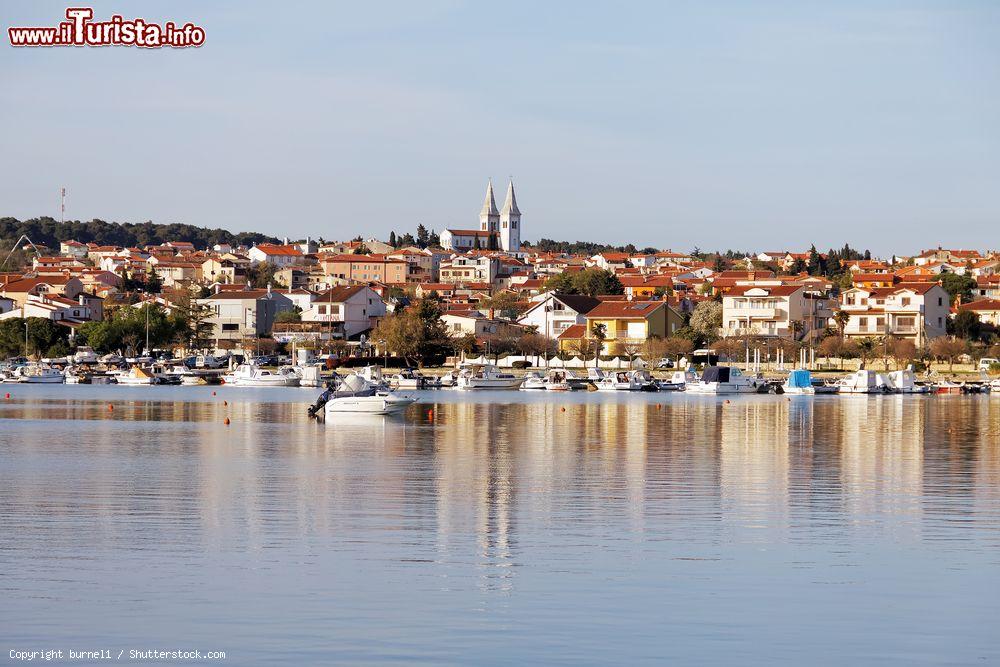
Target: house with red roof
[(279, 255), (916, 311)]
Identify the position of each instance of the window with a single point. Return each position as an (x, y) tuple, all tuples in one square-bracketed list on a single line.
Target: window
[(905, 301), (230, 327), (879, 321), (940, 303), (862, 322)]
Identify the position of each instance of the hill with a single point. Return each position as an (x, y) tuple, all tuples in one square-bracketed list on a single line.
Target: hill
[(49, 232)]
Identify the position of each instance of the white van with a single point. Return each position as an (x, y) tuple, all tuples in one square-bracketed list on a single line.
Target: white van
[(986, 362)]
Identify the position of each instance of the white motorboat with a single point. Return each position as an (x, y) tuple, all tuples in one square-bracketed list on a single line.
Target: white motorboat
[(557, 379), (725, 380), (408, 378), (252, 375), (36, 374), (353, 394), (799, 382), (620, 381), (533, 381), (136, 376), (85, 355), (207, 361), (485, 376), (863, 381), (905, 382), (679, 380), (995, 388), (112, 359)]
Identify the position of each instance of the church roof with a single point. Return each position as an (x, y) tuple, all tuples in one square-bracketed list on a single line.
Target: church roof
[(510, 205), (490, 204)]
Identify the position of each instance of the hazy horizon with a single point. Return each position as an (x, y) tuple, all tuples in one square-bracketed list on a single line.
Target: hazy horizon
[(752, 127)]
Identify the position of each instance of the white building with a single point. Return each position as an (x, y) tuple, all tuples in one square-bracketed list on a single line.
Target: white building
[(785, 311), (918, 311), (237, 314), (349, 311), (464, 269), (552, 313), (279, 255)]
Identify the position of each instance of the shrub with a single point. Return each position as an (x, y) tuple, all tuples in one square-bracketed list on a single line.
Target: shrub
[(520, 364)]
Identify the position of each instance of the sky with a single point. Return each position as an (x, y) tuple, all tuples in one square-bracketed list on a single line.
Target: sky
[(748, 125)]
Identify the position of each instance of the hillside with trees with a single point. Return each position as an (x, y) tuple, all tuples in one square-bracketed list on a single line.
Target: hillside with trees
[(48, 231)]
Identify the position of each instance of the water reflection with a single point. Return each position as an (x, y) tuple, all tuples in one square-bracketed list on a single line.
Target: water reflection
[(482, 507)]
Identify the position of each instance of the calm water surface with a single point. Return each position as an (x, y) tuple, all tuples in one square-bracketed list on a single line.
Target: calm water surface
[(505, 528)]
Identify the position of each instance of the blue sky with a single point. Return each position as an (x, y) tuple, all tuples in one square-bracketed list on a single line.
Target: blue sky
[(755, 125)]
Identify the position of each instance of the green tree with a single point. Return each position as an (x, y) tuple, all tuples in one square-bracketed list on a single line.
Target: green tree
[(966, 325), (706, 320), (262, 274), (415, 334), (289, 316), (958, 286), (503, 304), (154, 284)]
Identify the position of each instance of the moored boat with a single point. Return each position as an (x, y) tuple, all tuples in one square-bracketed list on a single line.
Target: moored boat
[(485, 376), (799, 381), (862, 381), (36, 374), (725, 380), (252, 375), (905, 382), (678, 380)]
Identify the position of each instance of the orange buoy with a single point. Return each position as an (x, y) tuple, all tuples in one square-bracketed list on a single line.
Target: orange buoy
[(226, 421), (430, 414), (562, 409), (110, 407), (658, 406)]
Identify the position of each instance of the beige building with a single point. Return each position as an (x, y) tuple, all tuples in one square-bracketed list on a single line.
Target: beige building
[(365, 268), (783, 311), (918, 311)]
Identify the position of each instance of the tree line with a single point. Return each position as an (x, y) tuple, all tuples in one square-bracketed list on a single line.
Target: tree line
[(50, 232)]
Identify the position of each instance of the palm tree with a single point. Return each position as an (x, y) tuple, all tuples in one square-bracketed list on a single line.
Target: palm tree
[(599, 332), (842, 318)]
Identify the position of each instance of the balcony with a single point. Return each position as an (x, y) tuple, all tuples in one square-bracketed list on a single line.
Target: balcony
[(756, 312)]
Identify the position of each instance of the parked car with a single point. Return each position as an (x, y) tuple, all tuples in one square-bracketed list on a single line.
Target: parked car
[(664, 363), (986, 362)]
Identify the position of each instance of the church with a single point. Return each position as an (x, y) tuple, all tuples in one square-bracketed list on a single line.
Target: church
[(498, 229)]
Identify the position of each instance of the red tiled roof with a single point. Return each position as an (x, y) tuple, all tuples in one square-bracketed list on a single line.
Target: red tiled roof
[(771, 290), (285, 250), (573, 332), (981, 305), (622, 310)]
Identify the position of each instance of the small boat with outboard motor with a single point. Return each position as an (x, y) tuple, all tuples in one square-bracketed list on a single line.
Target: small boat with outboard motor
[(354, 394)]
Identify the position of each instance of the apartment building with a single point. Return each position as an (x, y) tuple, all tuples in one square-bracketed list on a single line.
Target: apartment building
[(918, 311)]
